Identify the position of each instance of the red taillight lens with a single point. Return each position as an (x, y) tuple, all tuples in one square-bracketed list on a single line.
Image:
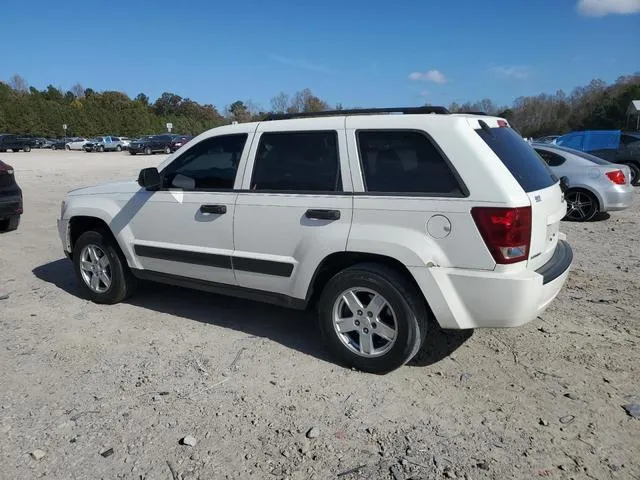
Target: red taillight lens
[(4, 168), (506, 232), (617, 177)]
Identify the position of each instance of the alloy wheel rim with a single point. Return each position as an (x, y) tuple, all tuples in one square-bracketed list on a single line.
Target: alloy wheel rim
[(579, 205), (365, 322), (95, 268)]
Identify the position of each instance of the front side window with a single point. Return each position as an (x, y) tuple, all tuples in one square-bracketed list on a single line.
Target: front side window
[(297, 161), (404, 161), (210, 164)]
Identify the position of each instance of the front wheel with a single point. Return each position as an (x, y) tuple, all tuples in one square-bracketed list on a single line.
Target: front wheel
[(67, 148), (582, 206), (372, 318), (118, 148), (132, 152), (101, 269), (27, 149), (148, 151), (167, 150), (101, 149)]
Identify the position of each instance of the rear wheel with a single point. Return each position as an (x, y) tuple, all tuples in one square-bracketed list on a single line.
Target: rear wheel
[(582, 206), (167, 150), (10, 224), (101, 148), (27, 148), (53, 147), (372, 318), (118, 148), (148, 151), (132, 152), (101, 269), (67, 147)]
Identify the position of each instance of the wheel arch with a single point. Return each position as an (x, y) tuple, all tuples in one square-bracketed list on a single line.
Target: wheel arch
[(338, 261)]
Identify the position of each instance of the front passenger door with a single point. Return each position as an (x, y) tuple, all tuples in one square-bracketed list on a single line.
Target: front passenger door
[(186, 228)]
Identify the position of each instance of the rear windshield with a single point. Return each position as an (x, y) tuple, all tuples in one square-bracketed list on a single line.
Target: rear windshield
[(519, 157), (585, 155)]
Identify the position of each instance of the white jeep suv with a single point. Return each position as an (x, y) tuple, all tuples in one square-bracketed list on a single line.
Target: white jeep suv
[(381, 221)]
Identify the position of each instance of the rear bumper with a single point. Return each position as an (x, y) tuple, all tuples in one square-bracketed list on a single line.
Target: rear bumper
[(462, 299), (617, 198)]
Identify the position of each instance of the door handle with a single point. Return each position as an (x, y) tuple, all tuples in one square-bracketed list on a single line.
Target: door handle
[(323, 214), (216, 209)]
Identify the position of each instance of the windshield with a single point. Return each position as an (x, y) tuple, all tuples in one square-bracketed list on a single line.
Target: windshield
[(585, 155), (526, 166)]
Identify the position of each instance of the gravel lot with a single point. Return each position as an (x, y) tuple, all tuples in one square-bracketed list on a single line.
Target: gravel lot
[(248, 381)]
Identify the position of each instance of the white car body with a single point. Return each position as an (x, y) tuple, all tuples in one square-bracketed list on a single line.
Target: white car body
[(77, 144), (265, 245)]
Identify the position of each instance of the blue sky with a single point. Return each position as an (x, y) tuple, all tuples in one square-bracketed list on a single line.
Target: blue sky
[(359, 53)]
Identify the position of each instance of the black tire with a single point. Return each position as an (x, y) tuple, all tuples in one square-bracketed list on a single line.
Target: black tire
[(15, 150), (167, 150), (148, 151), (10, 224), (53, 147), (27, 149), (589, 206), (132, 152), (122, 281), (408, 304), (101, 149), (118, 148)]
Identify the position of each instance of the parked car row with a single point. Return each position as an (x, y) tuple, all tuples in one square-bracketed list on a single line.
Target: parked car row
[(150, 144), (614, 146)]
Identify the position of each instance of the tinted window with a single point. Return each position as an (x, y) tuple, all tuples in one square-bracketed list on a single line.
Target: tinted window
[(552, 159), (210, 164), (519, 157), (629, 140), (571, 141), (399, 161), (297, 161)]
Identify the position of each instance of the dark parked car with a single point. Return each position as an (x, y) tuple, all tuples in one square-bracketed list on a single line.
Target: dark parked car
[(15, 143), (10, 199), (59, 144), (152, 144), (179, 141), (612, 145)]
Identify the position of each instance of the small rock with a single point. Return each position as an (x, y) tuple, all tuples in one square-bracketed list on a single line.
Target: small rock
[(304, 446), (567, 419), (313, 432), (4, 296), (543, 422), (632, 409), (189, 441), (464, 377), (284, 453), (482, 465), (37, 454), (449, 473), (571, 396), (107, 453), (404, 462), (396, 472)]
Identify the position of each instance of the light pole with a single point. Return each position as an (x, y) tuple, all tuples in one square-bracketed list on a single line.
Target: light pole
[(64, 127)]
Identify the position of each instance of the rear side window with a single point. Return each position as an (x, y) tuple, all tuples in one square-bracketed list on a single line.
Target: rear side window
[(297, 161), (404, 161), (552, 159), (519, 157)]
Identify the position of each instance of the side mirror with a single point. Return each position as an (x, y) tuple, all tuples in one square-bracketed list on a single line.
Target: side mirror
[(564, 184), (150, 179)]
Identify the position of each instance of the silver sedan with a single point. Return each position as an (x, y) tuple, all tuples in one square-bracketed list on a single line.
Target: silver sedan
[(594, 185)]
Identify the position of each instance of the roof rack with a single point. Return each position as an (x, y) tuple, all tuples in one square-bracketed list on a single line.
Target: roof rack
[(468, 112), (360, 111)]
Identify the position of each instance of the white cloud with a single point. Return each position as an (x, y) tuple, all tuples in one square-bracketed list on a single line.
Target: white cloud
[(600, 8), (435, 76), (519, 72), (425, 93), (295, 62)]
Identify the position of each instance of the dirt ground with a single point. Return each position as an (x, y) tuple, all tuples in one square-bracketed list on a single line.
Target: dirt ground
[(248, 381)]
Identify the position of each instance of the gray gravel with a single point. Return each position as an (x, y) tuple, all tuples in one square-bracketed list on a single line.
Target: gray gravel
[(248, 380)]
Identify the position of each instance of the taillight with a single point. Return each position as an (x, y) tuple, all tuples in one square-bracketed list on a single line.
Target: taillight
[(502, 123), (4, 168), (506, 232), (617, 177)]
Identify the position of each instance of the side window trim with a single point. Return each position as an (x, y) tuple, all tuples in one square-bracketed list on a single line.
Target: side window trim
[(341, 150), (464, 191)]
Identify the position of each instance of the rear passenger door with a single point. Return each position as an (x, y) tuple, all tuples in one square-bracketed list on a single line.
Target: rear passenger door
[(295, 206)]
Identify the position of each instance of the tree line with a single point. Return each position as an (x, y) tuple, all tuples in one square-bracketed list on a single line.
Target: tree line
[(86, 112)]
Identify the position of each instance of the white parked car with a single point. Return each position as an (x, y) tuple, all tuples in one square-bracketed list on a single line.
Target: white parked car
[(380, 221), (77, 144)]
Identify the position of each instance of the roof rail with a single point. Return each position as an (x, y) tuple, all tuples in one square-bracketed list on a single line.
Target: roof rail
[(359, 111)]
